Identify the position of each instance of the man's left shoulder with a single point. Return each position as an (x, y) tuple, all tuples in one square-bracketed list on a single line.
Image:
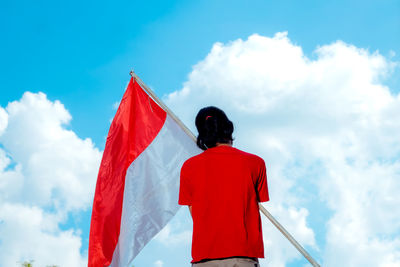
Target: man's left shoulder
[(251, 157)]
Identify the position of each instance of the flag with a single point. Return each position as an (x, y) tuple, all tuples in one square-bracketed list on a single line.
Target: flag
[(138, 181)]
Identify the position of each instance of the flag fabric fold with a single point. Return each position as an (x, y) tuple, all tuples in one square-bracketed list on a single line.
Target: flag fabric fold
[(138, 181)]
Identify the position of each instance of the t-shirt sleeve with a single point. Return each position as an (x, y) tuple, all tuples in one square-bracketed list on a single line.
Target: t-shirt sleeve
[(262, 187), (185, 192)]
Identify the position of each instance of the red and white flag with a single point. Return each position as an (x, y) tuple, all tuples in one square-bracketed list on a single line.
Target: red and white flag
[(138, 182)]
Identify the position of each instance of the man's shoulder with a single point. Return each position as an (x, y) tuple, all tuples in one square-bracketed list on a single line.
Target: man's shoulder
[(250, 156), (193, 160)]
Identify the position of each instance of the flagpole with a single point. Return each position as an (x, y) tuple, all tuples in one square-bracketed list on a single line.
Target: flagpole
[(189, 133)]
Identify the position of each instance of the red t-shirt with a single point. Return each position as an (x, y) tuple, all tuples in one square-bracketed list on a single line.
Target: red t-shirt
[(224, 185)]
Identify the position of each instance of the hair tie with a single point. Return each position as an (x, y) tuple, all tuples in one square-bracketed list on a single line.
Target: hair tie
[(208, 117)]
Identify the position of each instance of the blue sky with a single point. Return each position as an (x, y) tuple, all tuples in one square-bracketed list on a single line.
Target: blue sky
[(80, 53)]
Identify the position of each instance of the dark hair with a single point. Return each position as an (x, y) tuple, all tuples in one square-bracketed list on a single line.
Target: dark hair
[(213, 127)]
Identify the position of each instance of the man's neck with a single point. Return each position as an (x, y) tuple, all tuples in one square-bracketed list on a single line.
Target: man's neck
[(224, 144)]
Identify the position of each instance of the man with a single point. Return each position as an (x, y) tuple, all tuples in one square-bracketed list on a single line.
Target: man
[(222, 187)]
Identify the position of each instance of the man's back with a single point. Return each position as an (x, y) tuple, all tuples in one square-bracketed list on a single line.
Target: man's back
[(224, 185)]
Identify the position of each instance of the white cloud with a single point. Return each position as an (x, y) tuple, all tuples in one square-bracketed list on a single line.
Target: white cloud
[(46, 172), (59, 167), (327, 127), (3, 120), (29, 233), (158, 263)]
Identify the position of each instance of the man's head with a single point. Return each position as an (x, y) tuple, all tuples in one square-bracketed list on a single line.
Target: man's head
[(213, 127)]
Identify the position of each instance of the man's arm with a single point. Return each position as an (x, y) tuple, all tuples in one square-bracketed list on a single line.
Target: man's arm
[(262, 187), (190, 209)]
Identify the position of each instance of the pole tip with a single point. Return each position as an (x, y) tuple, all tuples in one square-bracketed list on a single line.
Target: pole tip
[(132, 73)]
